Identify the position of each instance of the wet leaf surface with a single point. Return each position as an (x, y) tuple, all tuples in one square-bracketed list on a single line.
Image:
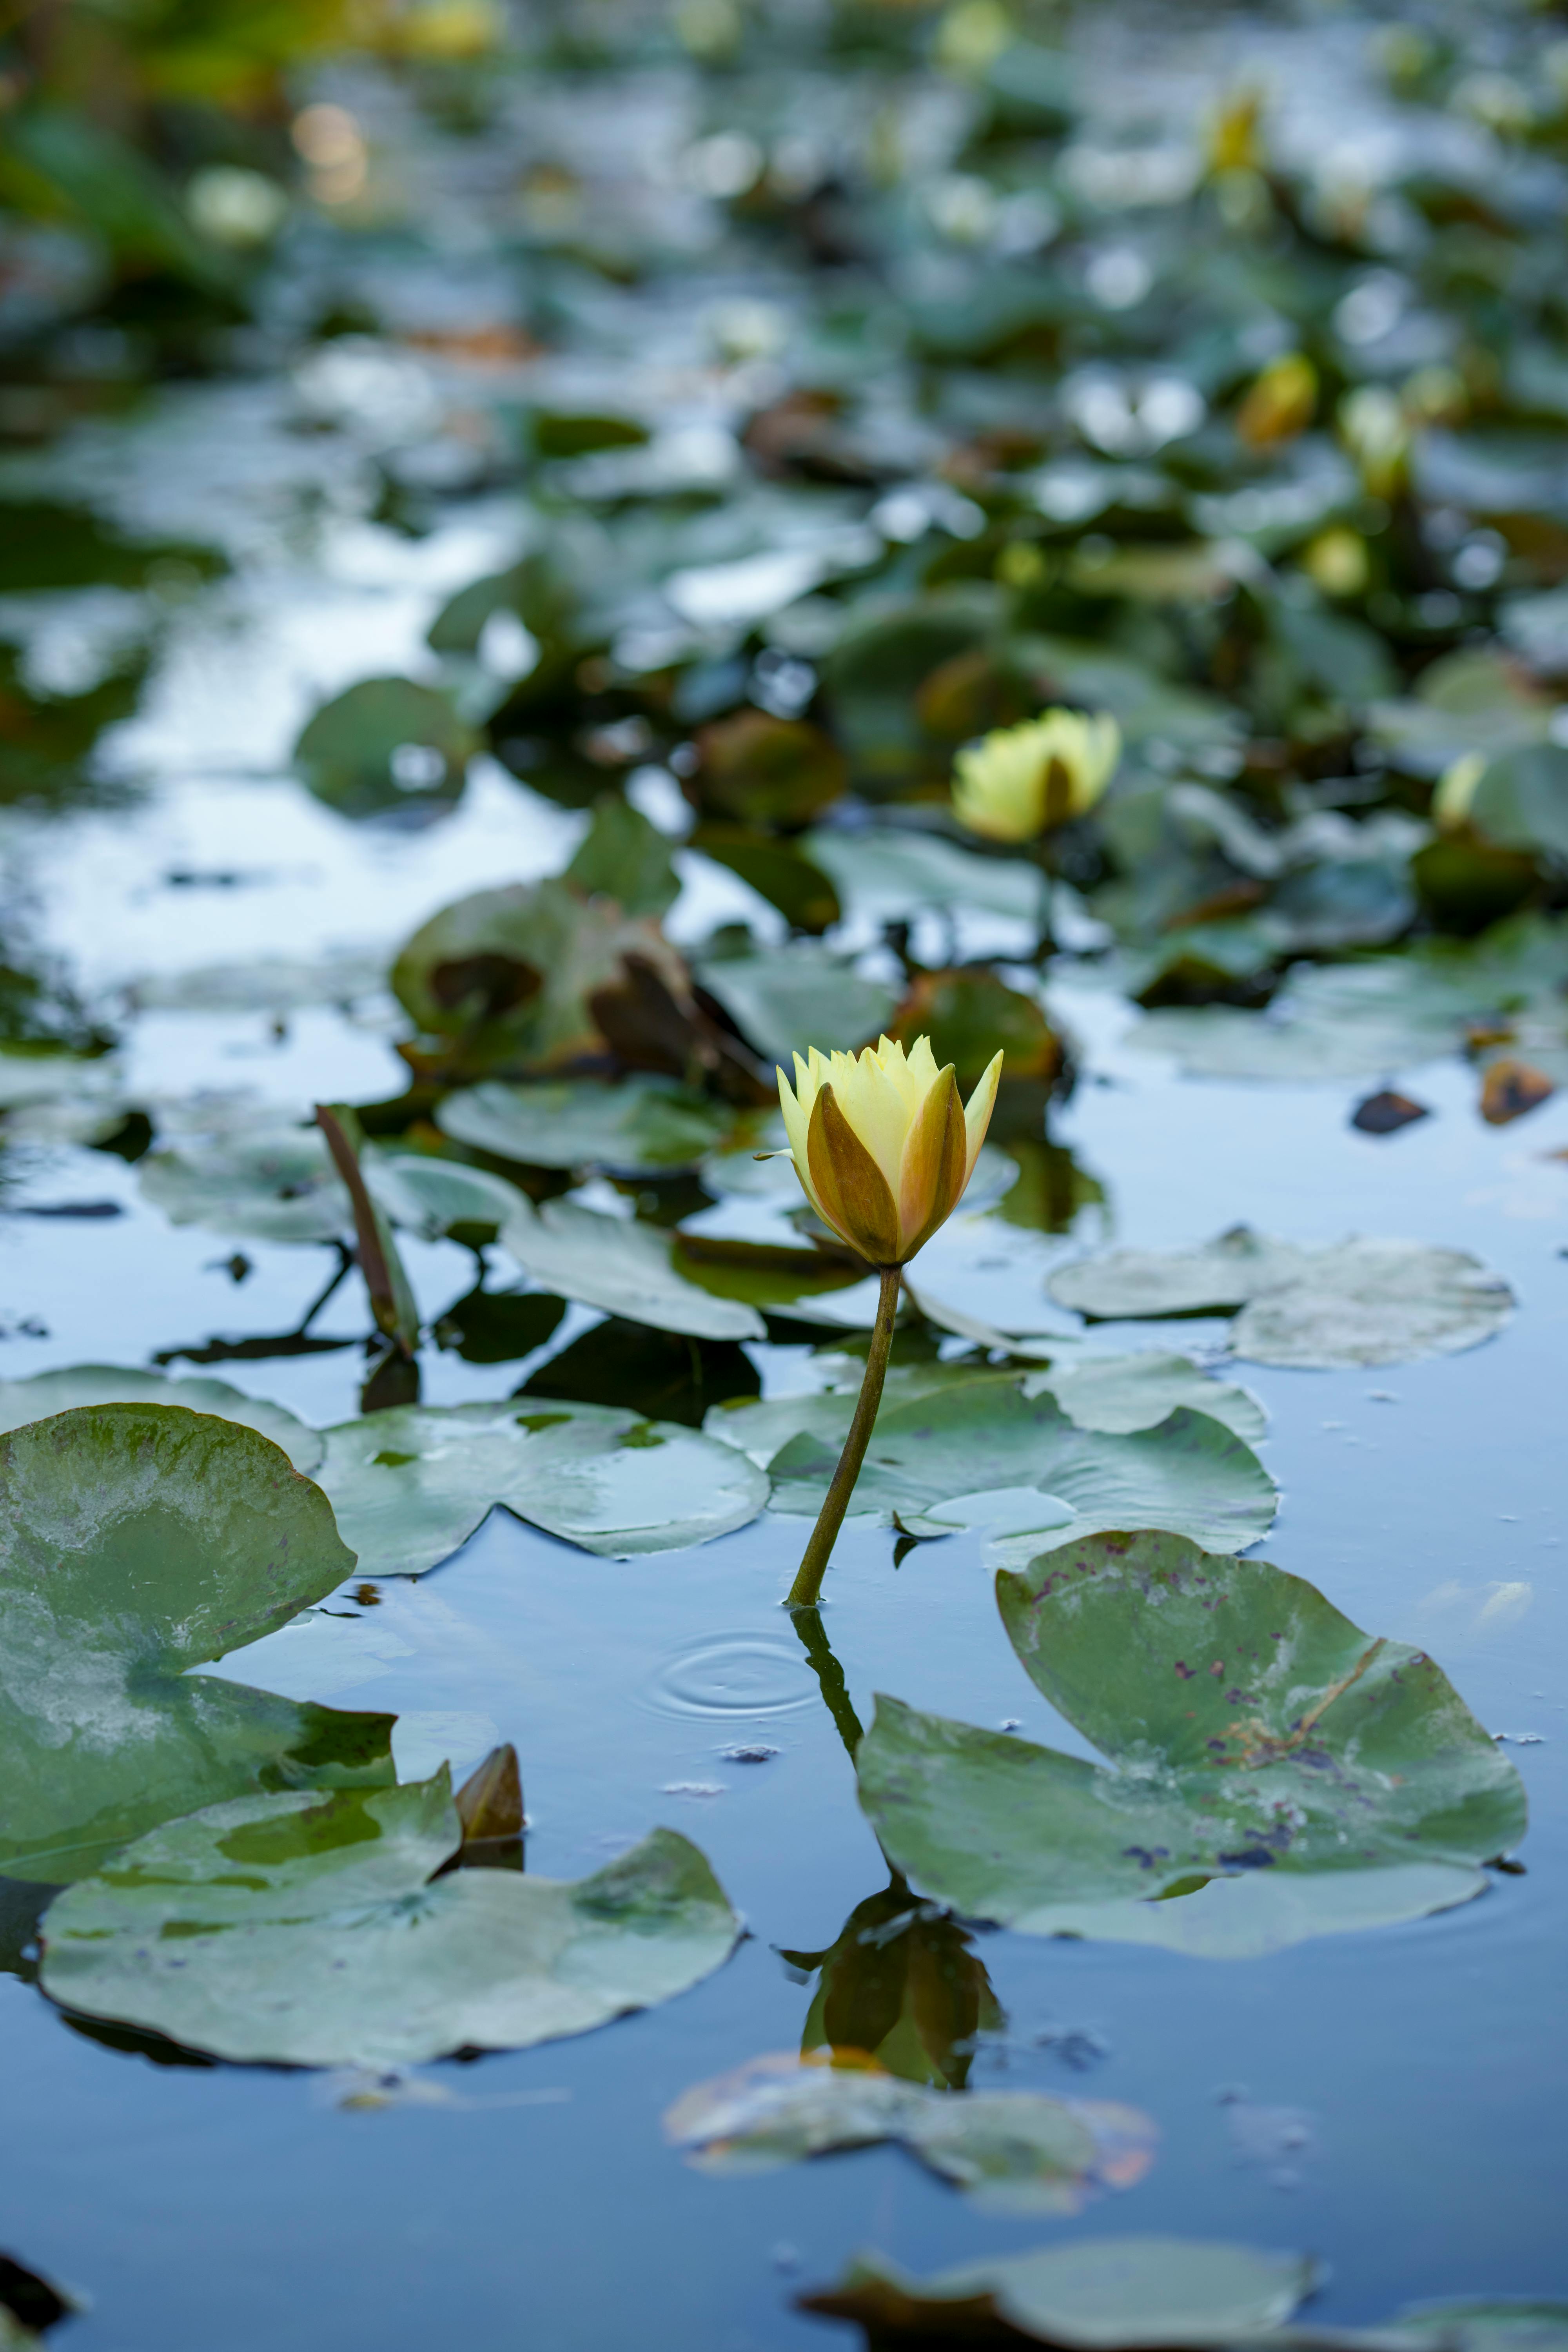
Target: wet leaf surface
[(279, 1929), (140, 1540), (89, 1384), (1274, 1773)]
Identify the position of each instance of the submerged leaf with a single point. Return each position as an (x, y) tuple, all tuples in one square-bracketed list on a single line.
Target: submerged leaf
[(410, 1485), (306, 1931), (137, 1540), (1275, 1774), (1010, 2152)]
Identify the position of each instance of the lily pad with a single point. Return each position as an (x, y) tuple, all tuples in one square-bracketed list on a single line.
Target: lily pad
[(1358, 1302), (410, 1485), (983, 1454), (1275, 1773), (307, 1931), (624, 858), (267, 1182), (888, 873), (1118, 1393), (383, 745), (434, 1197), (1010, 2152), (1107, 2294), (623, 1265), (87, 1384), (782, 999), (643, 1126), (137, 1540)]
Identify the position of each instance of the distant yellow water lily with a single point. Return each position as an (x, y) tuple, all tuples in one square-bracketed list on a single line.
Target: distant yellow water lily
[(883, 1148), (1020, 781), (881, 1144)]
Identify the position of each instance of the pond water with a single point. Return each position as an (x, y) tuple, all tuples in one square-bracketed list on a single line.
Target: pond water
[(1394, 2101)]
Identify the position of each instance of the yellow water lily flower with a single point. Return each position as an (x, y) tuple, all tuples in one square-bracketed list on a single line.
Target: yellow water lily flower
[(1019, 781), (881, 1144)]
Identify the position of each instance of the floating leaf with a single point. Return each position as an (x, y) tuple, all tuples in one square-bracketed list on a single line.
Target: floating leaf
[(889, 875), (1010, 2152), (270, 1181), (624, 858), (1358, 1302), (509, 973), (87, 1384), (776, 870), (786, 999), (970, 1016), (1098, 2296), (644, 1126), (412, 1484), (625, 1267), (767, 770), (139, 1540), (1117, 1393), (1275, 1774), (981, 1454), (385, 745), (433, 1197), (305, 1931)]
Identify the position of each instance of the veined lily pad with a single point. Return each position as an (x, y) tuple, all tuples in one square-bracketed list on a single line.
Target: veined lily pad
[(1275, 1773), (137, 1540), (625, 1267), (981, 1454), (85, 1384), (1106, 2295), (644, 1126), (410, 1485), (1358, 1302), (311, 1932), (1010, 2151)]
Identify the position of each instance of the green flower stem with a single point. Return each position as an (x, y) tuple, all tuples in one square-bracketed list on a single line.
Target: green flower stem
[(808, 1586)]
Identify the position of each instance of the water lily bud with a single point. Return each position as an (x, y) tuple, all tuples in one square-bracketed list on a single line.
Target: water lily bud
[(1372, 427), (1456, 792), (881, 1144), (1019, 781), (1280, 402)]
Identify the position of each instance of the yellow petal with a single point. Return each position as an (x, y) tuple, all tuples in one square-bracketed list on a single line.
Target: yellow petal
[(796, 1119), (977, 1117), (855, 1196), (936, 1165)]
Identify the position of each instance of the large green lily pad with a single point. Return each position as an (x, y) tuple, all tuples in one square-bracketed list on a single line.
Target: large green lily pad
[(410, 1485), (1358, 1302), (312, 1932), (1106, 2295), (979, 1453), (137, 1540), (625, 1267), (1274, 1772), (1010, 2152), (784, 999), (434, 1197), (644, 1126), (87, 1384), (1118, 1393)]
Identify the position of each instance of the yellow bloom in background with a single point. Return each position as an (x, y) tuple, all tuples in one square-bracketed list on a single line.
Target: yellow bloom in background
[(1456, 791), (881, 1144), (1019, 781), (1279, 403)]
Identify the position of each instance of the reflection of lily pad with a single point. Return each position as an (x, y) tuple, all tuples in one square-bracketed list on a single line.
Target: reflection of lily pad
[(625, 1267), (269, 1183), (1359, 1302), (1100, 2295), (311, 1932), (84, 1384), (643, 1126), (981, 1454), (410, 1485), (140, 1540), (1010, 2151), (1275, 1774)]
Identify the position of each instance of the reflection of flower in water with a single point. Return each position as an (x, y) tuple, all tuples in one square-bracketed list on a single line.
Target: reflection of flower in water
[(901, 1988)]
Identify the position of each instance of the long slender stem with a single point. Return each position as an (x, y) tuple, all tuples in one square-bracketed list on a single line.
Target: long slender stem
[(804, 1592)]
